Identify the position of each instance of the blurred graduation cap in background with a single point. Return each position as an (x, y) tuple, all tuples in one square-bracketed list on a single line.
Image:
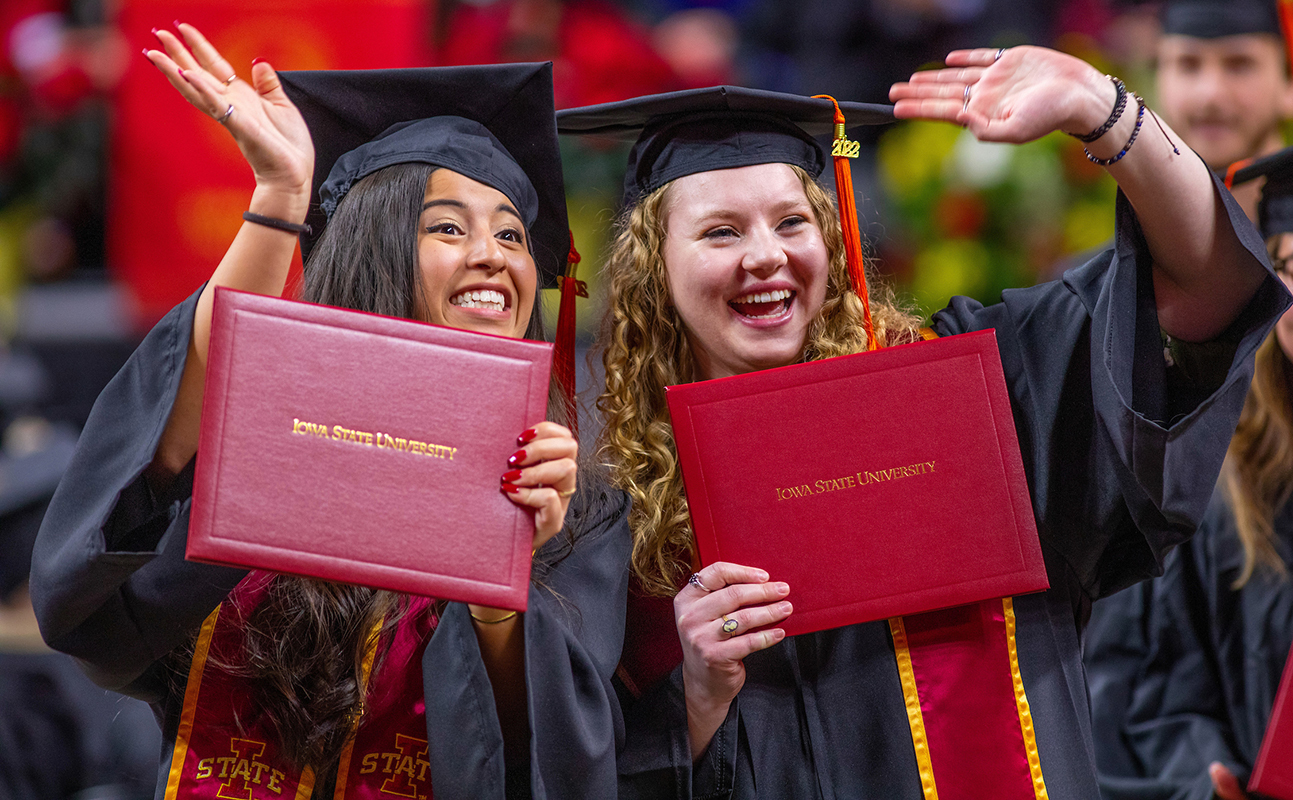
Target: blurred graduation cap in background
[(1275, 209)]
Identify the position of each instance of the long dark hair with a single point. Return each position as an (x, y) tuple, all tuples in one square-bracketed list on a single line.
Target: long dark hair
[(305, 642)]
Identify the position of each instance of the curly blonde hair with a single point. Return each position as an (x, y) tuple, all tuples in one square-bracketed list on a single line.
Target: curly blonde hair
[(645, 350), (1258, 474)]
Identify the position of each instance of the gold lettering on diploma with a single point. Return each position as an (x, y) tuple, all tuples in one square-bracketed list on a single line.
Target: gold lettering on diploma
[(857, 479), (377, 439)]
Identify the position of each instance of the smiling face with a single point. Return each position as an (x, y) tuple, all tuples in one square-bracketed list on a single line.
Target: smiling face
[(746, 265), (1225, 96), (474, 259)]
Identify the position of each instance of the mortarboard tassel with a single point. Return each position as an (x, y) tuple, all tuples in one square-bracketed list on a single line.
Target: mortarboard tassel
[(563, 357), (842, 150)]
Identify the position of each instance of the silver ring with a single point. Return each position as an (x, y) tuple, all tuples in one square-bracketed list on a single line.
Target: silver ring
[(998, 56), (228, 112), (730, 625), (234, 77), (694, 580), (965, 102)]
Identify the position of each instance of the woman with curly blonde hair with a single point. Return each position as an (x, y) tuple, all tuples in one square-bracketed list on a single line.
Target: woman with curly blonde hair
[(728, 260)]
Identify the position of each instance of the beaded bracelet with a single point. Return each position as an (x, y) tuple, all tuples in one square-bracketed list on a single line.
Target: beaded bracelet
[(1119, 104), (1140, 120), (278, 224)]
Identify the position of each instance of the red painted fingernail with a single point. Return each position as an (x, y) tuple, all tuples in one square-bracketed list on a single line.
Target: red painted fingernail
[(145, 51), (527, 436), (256, 61), (516, 458), (185, 77), (177, 24), (511, 477), (511, 488)]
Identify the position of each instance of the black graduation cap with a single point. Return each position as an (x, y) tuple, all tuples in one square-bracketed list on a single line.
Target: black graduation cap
[(1211, 19), (1275, 209), (720, 127), (492, 123)]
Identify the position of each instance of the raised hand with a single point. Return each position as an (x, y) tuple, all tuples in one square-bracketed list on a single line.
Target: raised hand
[(717, 613), (266, 126), (542, 475), (1013, 95)]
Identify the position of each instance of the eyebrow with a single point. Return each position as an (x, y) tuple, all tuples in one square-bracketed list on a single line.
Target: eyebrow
[(504, 207)]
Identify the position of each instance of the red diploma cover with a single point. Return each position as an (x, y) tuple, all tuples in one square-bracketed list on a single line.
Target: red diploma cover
[(876, 485), (365, 449), (1273, 772)]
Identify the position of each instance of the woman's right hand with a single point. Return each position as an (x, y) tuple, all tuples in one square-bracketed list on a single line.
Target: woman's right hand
[(713, 665), (268, 129)]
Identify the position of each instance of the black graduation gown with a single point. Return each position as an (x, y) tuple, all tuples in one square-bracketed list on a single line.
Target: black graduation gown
[(111, 587), (1114, 487), (1184, 669)]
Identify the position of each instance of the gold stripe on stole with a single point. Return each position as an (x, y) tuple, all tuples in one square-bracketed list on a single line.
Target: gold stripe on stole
[(1021, 703), (305, 789), (370, 655), (914, 718), (190, 708)]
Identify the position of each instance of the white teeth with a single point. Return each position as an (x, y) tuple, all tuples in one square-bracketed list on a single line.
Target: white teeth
[(480, 298), (764, 297)]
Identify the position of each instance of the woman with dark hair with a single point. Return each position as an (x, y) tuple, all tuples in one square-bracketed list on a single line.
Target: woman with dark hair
[(730, 259), (1184, 669), (444, 203)]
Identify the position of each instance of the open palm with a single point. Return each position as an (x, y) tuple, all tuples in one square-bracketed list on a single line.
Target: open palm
[(266, 126), (1015, 95)]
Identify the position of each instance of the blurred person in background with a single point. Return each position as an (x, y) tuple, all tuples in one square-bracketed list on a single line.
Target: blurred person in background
[(1223, 81), (60, 735), (58, 59), (599, 54), (1184, 669)]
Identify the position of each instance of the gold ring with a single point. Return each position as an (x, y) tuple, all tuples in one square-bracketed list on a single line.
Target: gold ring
[(730, 625), (567, 494), (231, 79)]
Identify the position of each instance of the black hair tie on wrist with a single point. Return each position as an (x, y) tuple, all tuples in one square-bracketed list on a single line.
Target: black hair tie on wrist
[(1119, 104), (278, 224)]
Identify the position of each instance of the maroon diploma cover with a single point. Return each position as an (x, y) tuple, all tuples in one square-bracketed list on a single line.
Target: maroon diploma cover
[(365, 449), (876, 485), (1273, 772)]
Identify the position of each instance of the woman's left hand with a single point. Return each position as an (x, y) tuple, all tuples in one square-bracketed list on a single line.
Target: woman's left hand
[(1012, 95), (541, 476)]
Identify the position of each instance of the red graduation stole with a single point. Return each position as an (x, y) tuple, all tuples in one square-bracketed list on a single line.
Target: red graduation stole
[(216, 758), (970, 723)]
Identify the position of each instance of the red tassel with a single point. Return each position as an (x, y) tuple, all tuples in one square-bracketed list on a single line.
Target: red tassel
[(842, 150), (563, 357)]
